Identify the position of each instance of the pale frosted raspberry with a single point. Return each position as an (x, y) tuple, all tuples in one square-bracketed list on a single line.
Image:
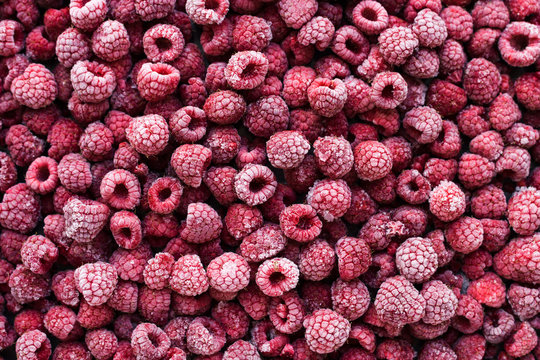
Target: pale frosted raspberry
[(300, 222), (319, 31), (459, 23), (519, 44), (156, 81), (452, 57), (396, 44), (516, 260), (110, 41), (350, 45), (96, 143), (33, 345), (497, 326), (38, 254), (317, 260), (126, 229), (19, 209), (422, 64), (327, 97), (205, 336), (514, 163), (481, 80), (416, 259), (398, 302), (388, 90), (475, 171), (295, 84), (84, 219), (228, 272), (372, 160), (202, 223), (447, 201), (254, 302), (277, 276), (522, 135), (286, 149), (330, 198), (287, 312), (354, 257), (41, 176), (87, 15), (158, 270), (163, 43), (358, 95), (370, 17), (92, 81), (465, 234), (35, 88), (429, 28), (246, 70), (102, 343), (490, 13), (148, 134), (263, 243), (441, 302), (503, 112), (188, 276), (488, 144), (524, 301), (255, 184), (326, 331), (334, 156), (296, 14), (12, 37), (241, 349), (350, 298), (96, 282), (190, 162), (423, 124), (27, 286), (522, 340), (120, 189), (164, 195), (149, 341), (72, 46), (251, 33), (524, 211), (207, 13)]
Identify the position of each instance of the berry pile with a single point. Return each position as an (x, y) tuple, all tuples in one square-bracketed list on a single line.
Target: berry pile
[(257, 179)]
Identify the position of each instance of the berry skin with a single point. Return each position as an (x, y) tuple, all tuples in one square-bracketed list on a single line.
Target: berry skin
[(148, 134), (35, 88), (19, 209), (27, 286), (156, 81), (295, 84), (488, 144), (237, 76), (96, 282), (326, 331), (188, 277), (267, 116), (157, 271), (396, 44), (286, 149), (84, 219), (190, 161), (447, 201), (224, 107), (481, 80), (416, 259), (516, 260), (316, 260), (398, 302), (163, 43), (372, 160), (228, 273), (327, 97), (255, 184), (149, 342)]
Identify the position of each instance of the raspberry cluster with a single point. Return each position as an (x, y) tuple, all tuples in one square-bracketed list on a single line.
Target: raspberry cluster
[(269, 179)]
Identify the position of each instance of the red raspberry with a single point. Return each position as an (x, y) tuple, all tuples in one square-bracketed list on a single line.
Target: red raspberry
[(354, 257), (220, 181), (287, 312), (35, 87), (96, 282), (522, 340), (156, 81), (263, 243), (373, 160), (267, 116), (483, 44), (126, 229), (475, 264), (246, 70), (202, 224), (327, 97), (519, 44), (255, 184), (452, 57), (441, 302), (317, 260), (297, 14), (120, 189), (475, 171), (251, 33), (374, 64), (38, 254), (110, 41), (19, 209), (300, 223), (8, 172), (326, 331), (149, 341), (423, 124), (523, 213), (277, 276), (438, 94), (429, 28), (203, 13), (154, 305), (488, 290), (42, 175), (61, 322), (497, 326), (465, 234), (358, 95), (71, 351), (84, 219), (216, 40), (164, 195), (12, 34), (370, 17), (23, 146), (493, 14), (33, 345), (330, 198), (26, 320), (254, 302), (319, 31), (157, 271), (64, 288), (524, 301), (228, 272), (503, 112), (398, 302), (481, 80), (395, 349), (286, 149), (188, 277), (522, 135), (38, 45), (125, 296), (241, 349), (388, 90), (488, 144), (224, 142), (396, 44), (471, 121), (40, 121), (27, 286), (416, 259), (459, 23), (350, 299), (295, 84), (514, 163), (72, 46), (193, 93), (413, 187), (188, 124), (163, 43), (527, 90), (148, 134), (489, 202), (447, 201), (515, 261), (205, 336), (233, 318), (117, 122), (334, 156), (496, 233), (470, 347), (93, 317), (224, 107), (437, 170), (87, 15), (101, 343), (92, 81), (422, 64)]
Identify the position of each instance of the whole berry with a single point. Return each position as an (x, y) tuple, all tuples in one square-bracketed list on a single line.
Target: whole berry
[(326, 331)]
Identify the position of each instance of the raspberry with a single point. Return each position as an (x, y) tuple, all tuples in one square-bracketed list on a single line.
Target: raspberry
[(220, 181), (469, 315), (93, 317), (96, 282), (524, 301), (438, 94), (496, 233), (441, 302), (396, 44), (38, 46), (101, 343), (92, 81), (217, 39), (224, 142), (326, 331), (35, 87), (125, 296), (514, 163), (120, 189), (110, 41), (471, 121), (277, 276), (23, 146), (38, 254), (481, 80), (203, 13), (262, 244), (19, 209), (188, 277), (254, 302), (516, 260), (527, 92), (156, 81), (465, 234), (163, 43), (373, 160), (193, 93), (42, 175), (488, 290), (316, 260), (255, 184), (8, 172), (126, 229), (60, 321), (423, 124), (327, 97), (27, 286), (459, 23), (254, 28), (149, 341), (246, 70), (522, 340), (470, 347), (205, 336), (416, 259), (71, 351), (350, 299), (300, 223), (241, 349), (497, 326), (354, 257), (33, 345), (519, 44), (413, 187), (370, 17), (521, 135), (488, 144), (297, 14), (12, 35), (330, 198), (447, 201), (422, 64), (488, 202), (493, 14), (228, 272), (398, 302), (503, 112), (287, 312), (295, 85), (148, 134), (84, 219), (286, 149), (475, 171), (429, 28), (319, 31), (202, 224), (87, 15)]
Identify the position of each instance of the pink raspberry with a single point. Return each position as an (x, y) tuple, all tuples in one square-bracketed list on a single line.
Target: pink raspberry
[(148, 134), (110, 41), (317, 260), (27, 286), (350, 298), (255, 184), (157, 271), (23, 146), (472, 121), (251, 33), (84, 219), (488, 144), (350, 45), (470, 347), (481, 80), (493, 14), (42, 175), (373, 160), (330, 198), (92, 81), (327, 97), (117, 122), (153, 9), (194, 92), (217, 39), (205, 336), (370, 17), (522, 135), (522, 340), (154, 305), (87, 15), (413, 187), (489, 202), (220, 182), (254, 302), (465, 234), (514, 163), (96, 142), (64, 288), (438, 94), (300, 223), (497, 326), (202, 223), (396, 44), (228, 272), (286, 149), (72, 46), (8, 172), (423, 124), (203, 13), (120, 189), (334, 156), (163, 43), (19, 209), (164, 195), (319, 31), (441, 302), (326, 331), (149, 341), (354, 257), (295, 84), (12, 35), (429, 28), (35, 87), (398, 302), (262, 244), (61, 322), (125, 297), (39, 254), (156, 81), (297, 14), (447, 201), (246, 70), (241, 349), (488, 290), (277, 276), (503, 112), (523, 212), (422, 64), (224, 107), (459, 23), (524, 301), (475, 171), (188, 124), (33, 345), (519, 44), (188, 277), (126, 229), (451, 57), (102, 343), (96, 282), (484, 44), (527, 90), (93, 317), (224, 142), (388, 90), (416, 259), (287, 312), (437, 170)]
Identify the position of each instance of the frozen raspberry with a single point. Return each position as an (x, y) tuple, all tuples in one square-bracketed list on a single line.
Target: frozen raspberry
[(120, 189), (157, 271), (470, 347), (295, 84), (251, 33), (23, 146), (26, 320), (354, 257), (516, 260), (205, 336), (416, 259), (327, 97), (395, 349), (514, 163), (527, 90), (102, 343), (447, 201), (87, 15), (422, 64), (490, 13), (475, 171), (246, 70), (148, 134), (220, 182), (255, 184), (429, 28), (297, 14), (277, 276), (8, 172), (484, 44), (286, 149), (84, 219), (326, 331), (524, 301), (156, 81), (373, 160), (319, 31), (350, 299), (225, 107), (39, 46), (39, 254), (110, 41), (481, 80), (451, 57), (396, 44), (188, 277), (93, 317), (441, 302), (202, 224), (472, 121), (489, 202), (149, 341), (317, 260), (194, 92), (522, 340), (488, 144), (228, 272), (92, 81), (459, 23), (497, 326), (521, 135), (126, 229), (154, 305), (224, 142), (503, 112), (388, 90), (117, 122), (423, 124), (71, 351), (476, 263), (188, 124), (465, 234), (496, 233), (300, 223), (330, 198), (33, 345), (398, 302), (64, 288), (35, 87), (163, 43), (207, 13), (125, 296), (12, 37), (164, 195), (438, 94), (27, 286), (42, 175), (413, 187), (60, 321), (263, 243), (72, 46), (19, 209), (370, 17), (488, 290), (519, 44), (334, 156), (217, 39), (287, 312), (96, 282), (241, 349)]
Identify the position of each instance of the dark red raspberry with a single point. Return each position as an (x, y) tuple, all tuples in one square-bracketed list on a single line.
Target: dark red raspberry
[(300, 222), (27, 286), (125, 296), (438, 94), (316, 260), (354, 257)]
